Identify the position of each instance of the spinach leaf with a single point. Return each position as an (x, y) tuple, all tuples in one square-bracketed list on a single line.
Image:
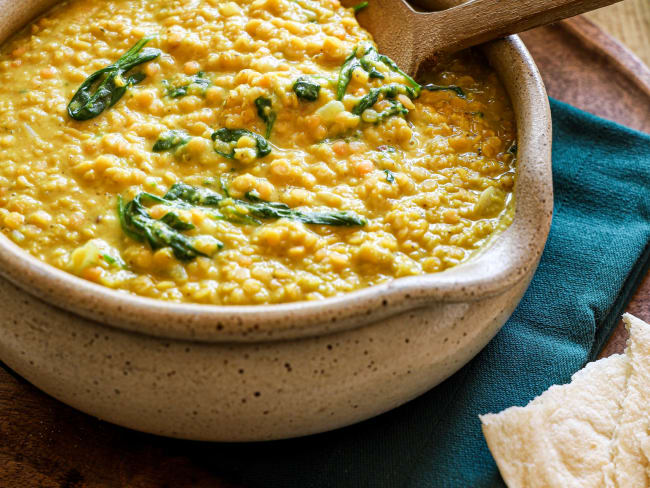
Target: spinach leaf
[(389, 91), (256, 207), (306, 88), (272, 210), (345, 73), (193, 195), (368, 62), (456, 89), (393, 67), (231, 136), (359, 6), (199, 80), (158, 233), (218, 206), (171, 140), (105, 87), (224, 184), (266, 113), (395, 108), (138, 224), (115, 262)]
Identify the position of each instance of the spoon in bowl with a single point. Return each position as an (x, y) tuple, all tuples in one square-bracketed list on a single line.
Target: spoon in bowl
[(410, 37)]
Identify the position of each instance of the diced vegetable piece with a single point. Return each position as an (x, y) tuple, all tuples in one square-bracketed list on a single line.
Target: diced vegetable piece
[(491, 202), (330, 110)]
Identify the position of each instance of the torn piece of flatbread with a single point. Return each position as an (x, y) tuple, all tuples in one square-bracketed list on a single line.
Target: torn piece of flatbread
[(593, 432), (562, 437), (630, 448)]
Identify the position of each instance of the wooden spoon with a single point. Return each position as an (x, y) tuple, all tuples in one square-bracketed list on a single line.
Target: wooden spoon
[(411, 38)]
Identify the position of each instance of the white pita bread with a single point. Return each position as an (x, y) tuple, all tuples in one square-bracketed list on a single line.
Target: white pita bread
[(593, 432), (630, 446), (561, 438)]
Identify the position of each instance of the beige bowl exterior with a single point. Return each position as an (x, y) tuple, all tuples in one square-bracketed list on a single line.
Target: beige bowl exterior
[(269, 372)]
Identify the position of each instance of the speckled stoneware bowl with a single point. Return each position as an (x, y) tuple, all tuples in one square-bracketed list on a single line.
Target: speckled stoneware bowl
[(267, 372)]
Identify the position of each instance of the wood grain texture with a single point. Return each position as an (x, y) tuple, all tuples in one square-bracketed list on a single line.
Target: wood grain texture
[(415, 37), (584, 67), (629, 22), (45, 443)]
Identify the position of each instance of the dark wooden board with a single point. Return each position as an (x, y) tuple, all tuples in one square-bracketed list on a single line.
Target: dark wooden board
[(45, 443), (583, 66)]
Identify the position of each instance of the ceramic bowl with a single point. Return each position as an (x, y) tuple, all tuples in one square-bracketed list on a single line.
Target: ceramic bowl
[(242, 373)]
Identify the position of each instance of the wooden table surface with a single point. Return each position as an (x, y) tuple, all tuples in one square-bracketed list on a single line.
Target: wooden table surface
[(44, 443), (629, 22)]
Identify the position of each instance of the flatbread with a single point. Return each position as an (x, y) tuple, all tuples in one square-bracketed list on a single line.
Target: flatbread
[(630, 449), (593, 432), (561, 438)]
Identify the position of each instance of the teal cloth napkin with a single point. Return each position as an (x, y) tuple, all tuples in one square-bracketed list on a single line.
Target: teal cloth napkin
[(597, 251)]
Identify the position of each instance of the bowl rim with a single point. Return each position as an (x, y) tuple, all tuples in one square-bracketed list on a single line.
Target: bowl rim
[(508, 258)]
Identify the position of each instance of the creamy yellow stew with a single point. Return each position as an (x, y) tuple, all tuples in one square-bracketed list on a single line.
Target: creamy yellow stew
[(243, 152)]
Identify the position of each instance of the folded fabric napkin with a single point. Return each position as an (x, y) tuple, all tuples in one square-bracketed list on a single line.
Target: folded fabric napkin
[(597, 251)]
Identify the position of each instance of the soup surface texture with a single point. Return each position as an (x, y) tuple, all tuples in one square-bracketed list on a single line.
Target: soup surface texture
[(243, 152)]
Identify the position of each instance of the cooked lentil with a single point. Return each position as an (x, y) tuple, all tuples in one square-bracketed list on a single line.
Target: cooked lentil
[(431, 174)]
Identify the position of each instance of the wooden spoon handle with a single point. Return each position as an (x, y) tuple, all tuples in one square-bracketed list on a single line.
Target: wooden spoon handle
[(480, 21)]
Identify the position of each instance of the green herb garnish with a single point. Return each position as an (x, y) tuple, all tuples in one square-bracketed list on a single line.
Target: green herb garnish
[(456, 89), (158, 233), (389, 91), (231, 136), (393, 67), (369, 62), (345, 73), (254, 206), (272, 210), (306, 88), (266, 113), (224, 184), (193, 195), (198, 80), (114, 261), (166, 232), (390, 177), (395, 108), (171, 140), (105, 87), (359, 6)]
